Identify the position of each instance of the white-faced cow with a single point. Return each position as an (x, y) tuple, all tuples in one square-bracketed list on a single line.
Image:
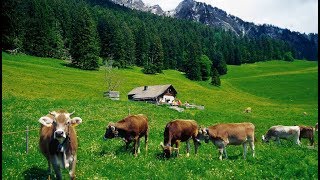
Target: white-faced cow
[(316, 127), (177, 131), (282, 132), (308, 133), (58, 141), (131, 128), (229, 134)]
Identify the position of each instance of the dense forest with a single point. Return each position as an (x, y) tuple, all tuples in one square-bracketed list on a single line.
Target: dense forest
[(90, 32)]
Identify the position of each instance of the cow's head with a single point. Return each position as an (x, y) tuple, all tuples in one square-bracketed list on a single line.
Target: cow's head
[(168, 150), (203, 134), (111, 131), (264, 138), (61, 122)]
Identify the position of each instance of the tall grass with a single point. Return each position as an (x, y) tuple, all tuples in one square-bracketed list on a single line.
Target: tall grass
[(278, 93)]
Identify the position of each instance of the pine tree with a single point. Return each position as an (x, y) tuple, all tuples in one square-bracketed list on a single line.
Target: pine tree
[(142, 45), (193, 70), (205, 65), (129, 46), (155, 61), (84, 47), (215, 80)]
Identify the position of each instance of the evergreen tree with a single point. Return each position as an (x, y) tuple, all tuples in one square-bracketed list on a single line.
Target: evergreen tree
[(155, 61), (215, 80), (205, 65), (193, 70), (84, 47), (129, 46), (142, 45)]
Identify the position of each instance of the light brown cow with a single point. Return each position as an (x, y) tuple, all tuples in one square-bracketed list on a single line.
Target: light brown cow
[(179, 130), (229, 134), (131, 128), (308, 133), (58, 141)]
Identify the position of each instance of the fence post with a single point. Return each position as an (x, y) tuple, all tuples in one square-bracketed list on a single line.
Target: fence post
[(27, 139)]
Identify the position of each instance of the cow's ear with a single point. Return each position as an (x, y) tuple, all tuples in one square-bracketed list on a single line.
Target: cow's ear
[(76, 121), (46, 121)]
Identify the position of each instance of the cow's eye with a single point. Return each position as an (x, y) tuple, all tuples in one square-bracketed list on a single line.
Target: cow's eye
[(68, 123)]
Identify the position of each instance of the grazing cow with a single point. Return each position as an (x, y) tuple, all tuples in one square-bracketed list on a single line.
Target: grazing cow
[(58, 141), (307, 132), (131, 128), (316, 127), (179, 130), (283, 132), (229, 134)]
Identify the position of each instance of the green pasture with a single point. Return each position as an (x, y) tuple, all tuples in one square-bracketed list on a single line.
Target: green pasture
[(278, 92)]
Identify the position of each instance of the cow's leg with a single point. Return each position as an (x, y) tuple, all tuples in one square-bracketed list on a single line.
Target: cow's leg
[(72, 168), (127, 143), (311, 141), (297, 141), (196, 145), (225, 152), (188, 148), (245, 148), (138, 145), (221, 149), (146, 140), (136, 139), (57, 170), (251, 143), (277, 139), (297, 138), (177, 147)]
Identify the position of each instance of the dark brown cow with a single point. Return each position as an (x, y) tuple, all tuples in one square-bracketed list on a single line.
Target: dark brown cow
[(308, 133), (131, 128), (58, 141), (179, 130), (232, 133)]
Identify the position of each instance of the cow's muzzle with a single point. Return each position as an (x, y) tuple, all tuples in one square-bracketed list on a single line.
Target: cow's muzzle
[(59, 134)]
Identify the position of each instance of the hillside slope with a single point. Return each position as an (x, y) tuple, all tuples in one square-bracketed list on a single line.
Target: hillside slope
[(33, 86)]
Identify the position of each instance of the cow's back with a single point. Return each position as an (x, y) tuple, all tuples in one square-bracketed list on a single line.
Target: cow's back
[(235, 133), (181, 129), (134, 123), (284, 131)]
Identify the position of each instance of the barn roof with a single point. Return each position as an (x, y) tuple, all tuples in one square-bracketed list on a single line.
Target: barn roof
[(150, 92)]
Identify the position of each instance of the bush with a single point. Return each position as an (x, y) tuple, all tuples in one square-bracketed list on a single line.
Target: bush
[(149, 69), (288, 56)]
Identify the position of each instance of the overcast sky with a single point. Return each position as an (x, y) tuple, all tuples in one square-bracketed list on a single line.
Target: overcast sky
[(296, 15)]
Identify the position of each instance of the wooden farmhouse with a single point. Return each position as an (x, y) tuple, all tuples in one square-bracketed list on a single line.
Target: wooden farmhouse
[(154, 94)]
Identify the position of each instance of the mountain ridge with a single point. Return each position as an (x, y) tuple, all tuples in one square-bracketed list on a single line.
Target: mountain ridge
[(305, 45)]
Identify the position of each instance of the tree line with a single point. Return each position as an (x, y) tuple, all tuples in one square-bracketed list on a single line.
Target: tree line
[(91, 32)]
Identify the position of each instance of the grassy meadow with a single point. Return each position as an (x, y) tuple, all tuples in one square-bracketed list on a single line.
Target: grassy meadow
[(278, 93)]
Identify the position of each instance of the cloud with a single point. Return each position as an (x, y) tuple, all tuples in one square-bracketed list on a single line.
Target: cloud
[(296, 15)]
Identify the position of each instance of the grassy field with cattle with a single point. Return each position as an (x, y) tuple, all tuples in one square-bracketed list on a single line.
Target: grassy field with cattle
[(278, 92)]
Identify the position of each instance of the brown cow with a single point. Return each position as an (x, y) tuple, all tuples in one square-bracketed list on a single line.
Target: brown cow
[(308, 133), (131, 128), (232, 133), (58, 141), (179, 130)]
